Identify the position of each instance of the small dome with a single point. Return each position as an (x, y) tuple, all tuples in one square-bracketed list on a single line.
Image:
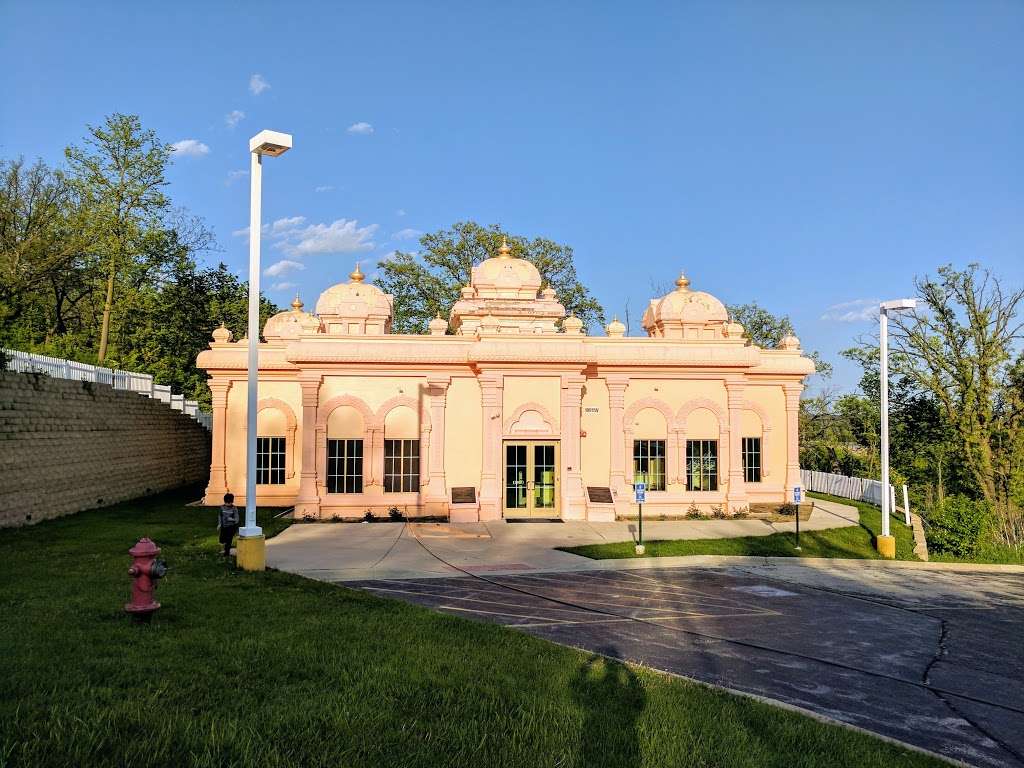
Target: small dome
[(286, 325), (789, 342), (221, 335), (572, 325), (355, 307), (686, 314), (438, 326), (615, 329), (505, 277)]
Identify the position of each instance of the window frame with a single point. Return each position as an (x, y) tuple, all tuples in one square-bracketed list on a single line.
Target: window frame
[(401, 469), (350, 461), (707, 455), (655, 481), (752, 472), (271, 459)]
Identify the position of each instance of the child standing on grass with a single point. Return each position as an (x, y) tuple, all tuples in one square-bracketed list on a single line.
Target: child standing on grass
[(227, 522)]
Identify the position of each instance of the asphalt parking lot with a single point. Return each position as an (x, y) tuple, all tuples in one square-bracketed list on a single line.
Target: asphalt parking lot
[(932, 659)]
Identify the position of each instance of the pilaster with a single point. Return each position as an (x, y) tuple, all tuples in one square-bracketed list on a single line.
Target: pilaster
[(491, 396), (574, 505), (307, 504), (792, 391), (736, 494), (218, 485), (435, 492)]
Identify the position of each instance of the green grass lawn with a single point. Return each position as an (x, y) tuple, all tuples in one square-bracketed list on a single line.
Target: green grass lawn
[(269, 669), (856, 541)]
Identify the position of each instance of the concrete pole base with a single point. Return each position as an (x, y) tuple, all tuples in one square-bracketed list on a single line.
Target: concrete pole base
[(251, 553), (886, 546), (640, 549)]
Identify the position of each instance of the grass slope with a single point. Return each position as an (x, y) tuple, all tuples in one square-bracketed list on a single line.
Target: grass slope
[(272, 670), (852, 542)]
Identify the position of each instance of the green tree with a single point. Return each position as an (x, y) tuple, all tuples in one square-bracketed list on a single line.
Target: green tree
[(766, 330), (119, 173), (427, 283)]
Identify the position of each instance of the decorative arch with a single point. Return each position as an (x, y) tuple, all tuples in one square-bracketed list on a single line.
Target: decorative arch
[(644, 403), (547, 430), (702, 402), (425, 426), (324, 411), (671, 430)]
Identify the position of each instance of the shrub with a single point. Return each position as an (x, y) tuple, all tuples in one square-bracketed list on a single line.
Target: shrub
[(694, 512), (395, 514), (960, 526), (368, 517), (788, 509), (718, 513)]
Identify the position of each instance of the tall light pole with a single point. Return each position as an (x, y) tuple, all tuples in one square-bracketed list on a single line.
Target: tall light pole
[(886, 543), (251, 544)]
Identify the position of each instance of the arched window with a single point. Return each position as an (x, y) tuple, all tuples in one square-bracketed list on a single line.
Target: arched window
[(271, 446), (345, 450), (401, 451), (650, 430), (702, 430)]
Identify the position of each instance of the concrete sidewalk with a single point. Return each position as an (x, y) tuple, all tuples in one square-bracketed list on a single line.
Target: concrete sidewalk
[(362, 551)]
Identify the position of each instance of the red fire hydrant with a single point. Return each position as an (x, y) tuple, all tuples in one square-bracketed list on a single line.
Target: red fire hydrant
[(145, 571)]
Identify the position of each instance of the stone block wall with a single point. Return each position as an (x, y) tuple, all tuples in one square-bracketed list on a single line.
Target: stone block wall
[(68, 446)]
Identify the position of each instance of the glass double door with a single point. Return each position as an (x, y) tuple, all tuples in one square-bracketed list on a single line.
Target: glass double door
[(531, 479)]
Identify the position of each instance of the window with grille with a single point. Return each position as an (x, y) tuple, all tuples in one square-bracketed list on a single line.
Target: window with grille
[(649, 463), (401, 466), (702, 465), (344, 466), (269, 460), (752, 459)]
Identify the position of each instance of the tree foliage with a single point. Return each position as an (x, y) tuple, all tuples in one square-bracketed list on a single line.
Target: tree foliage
[(427, 283)]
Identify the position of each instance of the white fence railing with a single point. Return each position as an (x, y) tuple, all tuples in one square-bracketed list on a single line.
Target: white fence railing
[(856, 488), (142, 383)]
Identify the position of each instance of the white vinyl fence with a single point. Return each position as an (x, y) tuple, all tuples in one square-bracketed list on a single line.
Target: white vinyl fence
[(856, 488), (142, 383)]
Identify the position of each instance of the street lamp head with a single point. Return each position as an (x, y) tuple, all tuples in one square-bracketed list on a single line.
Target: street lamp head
[(898, 305), (271, 143)]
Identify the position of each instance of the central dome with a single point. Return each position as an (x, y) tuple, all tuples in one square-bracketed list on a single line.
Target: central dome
[(686, 314), (502, 277), (355, 308)]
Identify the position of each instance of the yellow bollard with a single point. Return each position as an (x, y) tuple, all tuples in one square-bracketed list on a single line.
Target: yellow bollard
[(886, 546), (251, 553)]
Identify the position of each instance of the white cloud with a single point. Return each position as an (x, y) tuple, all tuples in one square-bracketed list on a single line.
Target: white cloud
[(286, 225), (406, 234), (234, 117), (190, 148), (283, 267), (283, 286), (257, 84), (324, 188), (361, 128), (234, 176), (400, 212), (341, 236), (856, 311)]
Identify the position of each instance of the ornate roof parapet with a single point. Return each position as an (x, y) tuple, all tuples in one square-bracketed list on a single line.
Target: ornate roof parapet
[(355, 308), (505, 297), (689, 315)]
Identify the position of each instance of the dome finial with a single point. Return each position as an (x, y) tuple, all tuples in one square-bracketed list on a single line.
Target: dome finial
[(504, 251), (297, 303), (356, 275), (683, 282)]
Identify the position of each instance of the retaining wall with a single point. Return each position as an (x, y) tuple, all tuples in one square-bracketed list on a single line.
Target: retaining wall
[(67, 446)]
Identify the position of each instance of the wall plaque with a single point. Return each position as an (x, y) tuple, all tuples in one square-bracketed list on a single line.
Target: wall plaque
[(464, 495), (599, 495)]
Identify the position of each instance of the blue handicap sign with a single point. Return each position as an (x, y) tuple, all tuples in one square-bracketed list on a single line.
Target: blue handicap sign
[(641, 491), (796, 494)]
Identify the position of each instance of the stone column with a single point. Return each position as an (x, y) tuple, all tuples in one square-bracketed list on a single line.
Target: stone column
[(617, 436), (218, 485), (574, 505), (436, 492), (792, 391), (307, 504), (736, 495), (491, 396), (373, 456)]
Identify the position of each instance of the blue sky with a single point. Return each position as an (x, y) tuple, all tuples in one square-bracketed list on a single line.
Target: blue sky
[(812, 156)]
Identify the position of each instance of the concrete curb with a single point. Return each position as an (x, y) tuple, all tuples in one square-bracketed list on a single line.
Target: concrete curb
[(806, 562)]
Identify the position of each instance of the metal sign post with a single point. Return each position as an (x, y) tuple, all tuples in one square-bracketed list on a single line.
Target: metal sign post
[(797, 495), (640, 490)]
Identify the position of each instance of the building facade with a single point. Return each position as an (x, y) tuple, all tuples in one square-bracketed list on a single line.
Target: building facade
[(507, 409)]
